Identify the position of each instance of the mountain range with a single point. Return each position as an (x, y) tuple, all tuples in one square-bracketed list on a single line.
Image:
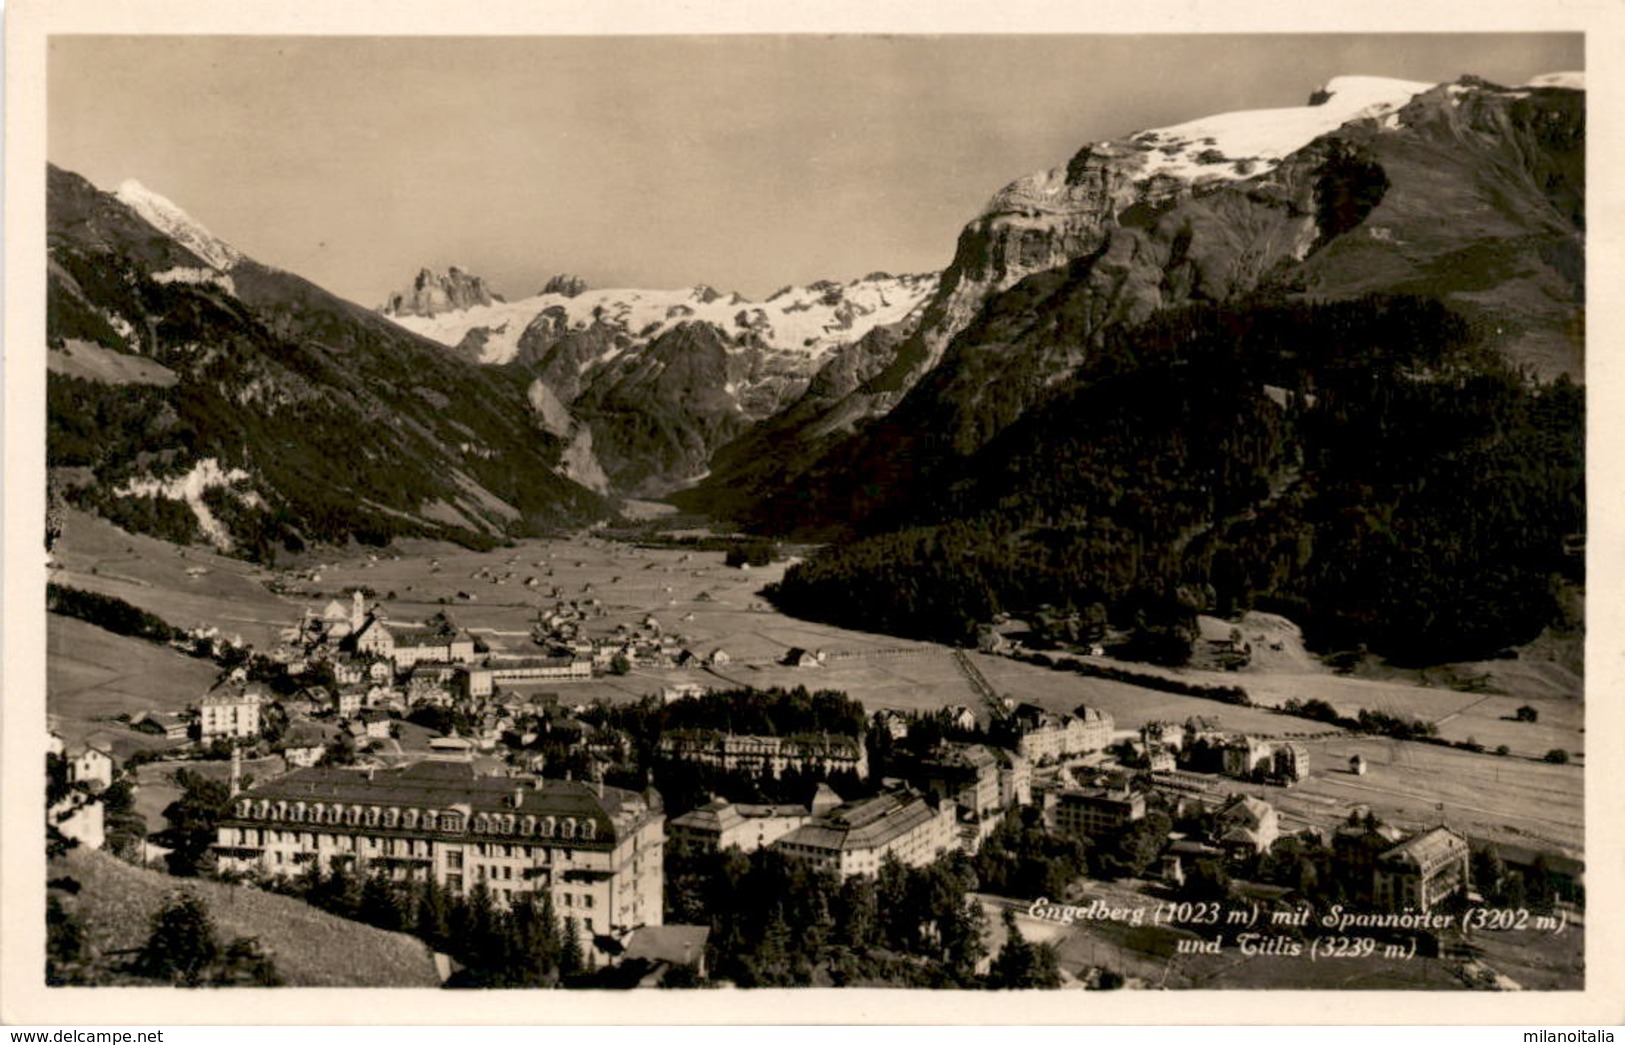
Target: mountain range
[(647, 385), (1462, 192), (1170, 372)]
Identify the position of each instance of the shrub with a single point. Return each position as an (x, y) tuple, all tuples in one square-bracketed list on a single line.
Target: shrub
[(182, 945), (1557, 756)]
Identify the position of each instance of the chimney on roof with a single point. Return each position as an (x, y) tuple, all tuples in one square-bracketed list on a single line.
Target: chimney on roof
[(518, 797)]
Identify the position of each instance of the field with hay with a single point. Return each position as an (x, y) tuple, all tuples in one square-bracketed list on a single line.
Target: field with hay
[(1482, 795), (93, 676), (154, 575)]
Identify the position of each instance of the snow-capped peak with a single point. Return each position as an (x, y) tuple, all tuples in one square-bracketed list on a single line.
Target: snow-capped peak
[(1239, 144), (807, 321), (178, 225)]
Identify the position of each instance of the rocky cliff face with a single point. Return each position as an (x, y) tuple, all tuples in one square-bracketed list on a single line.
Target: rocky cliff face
[(1050, 219), (565, 285), (432, 293), (1466, 192)]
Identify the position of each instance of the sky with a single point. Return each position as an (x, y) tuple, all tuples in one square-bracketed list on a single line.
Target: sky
[(743, 162)]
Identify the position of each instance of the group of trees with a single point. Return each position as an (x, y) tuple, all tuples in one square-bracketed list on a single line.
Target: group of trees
[(750, 552), (778, 922), (110, 613), (767, 712), (193, 819), (927, 732), (1021, 858), (521, 944), (1366, 467), (1534, 886), (1224, 694), (183, 949)]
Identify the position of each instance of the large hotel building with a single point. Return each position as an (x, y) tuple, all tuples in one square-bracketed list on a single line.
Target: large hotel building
[(597, 849), (856, 838)]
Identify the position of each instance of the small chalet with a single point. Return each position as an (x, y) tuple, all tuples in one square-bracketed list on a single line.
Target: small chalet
[(90, 762), (800, 658)]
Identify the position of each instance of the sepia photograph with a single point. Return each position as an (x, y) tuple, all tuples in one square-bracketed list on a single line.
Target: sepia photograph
[(642, 513)]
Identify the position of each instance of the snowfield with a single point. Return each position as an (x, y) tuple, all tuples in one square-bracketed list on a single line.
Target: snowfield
[(810, 320), (1236, 145)]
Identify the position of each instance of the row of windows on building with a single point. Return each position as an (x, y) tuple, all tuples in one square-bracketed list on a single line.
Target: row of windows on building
[(397, 847), (412, 820)]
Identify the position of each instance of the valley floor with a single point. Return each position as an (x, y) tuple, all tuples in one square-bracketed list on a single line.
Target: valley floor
[(692, 593)]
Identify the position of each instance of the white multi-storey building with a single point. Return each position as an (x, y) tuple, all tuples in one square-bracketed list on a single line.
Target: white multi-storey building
[(230, 713), (596, 849), (857, 837)]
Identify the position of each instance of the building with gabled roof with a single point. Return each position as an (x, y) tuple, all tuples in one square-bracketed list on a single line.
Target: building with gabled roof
[(973, 777), (90, 762), (1291, 763), (668, 946), (231, 712), (1046, 736), (1243, 754), (1356, 847), (304, 744), (719, 824), (1246, 825), (1422, 871)]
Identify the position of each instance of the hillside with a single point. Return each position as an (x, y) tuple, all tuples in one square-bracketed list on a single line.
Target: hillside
[(1369, 469), (195, 394), (310, 948), (93, 676)]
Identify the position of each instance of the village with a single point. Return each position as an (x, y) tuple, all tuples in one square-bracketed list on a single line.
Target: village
[(429, 750)]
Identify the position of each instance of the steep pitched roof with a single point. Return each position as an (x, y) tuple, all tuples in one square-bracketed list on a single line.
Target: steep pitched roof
[(673, 944), (1245, 810), (1427, 847)]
